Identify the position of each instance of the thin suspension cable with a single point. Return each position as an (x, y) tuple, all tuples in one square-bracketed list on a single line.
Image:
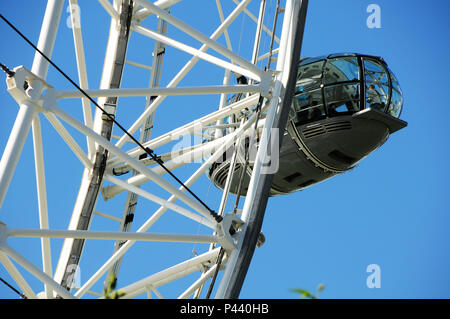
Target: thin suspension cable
[(213, 280), (6, 70), (246, 154), (13, 289), (273, 34), (258, 110), (112, 118)]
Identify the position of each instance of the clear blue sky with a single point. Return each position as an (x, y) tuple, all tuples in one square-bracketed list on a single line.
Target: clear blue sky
[(391, 210)]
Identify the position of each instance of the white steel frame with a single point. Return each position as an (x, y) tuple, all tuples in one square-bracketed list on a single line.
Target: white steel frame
[(268, 84)]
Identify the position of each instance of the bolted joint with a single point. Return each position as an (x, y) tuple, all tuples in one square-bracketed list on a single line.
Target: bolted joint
[(25, 86), (228, 231), (109, 110), (266, 84), (216, 216), (106, 193), (152, 154)]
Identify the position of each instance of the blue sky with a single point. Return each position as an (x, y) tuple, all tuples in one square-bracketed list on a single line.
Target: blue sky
[(391, 210)]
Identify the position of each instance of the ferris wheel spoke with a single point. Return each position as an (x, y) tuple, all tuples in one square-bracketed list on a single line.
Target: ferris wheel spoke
[(202, 38), (222, 19), (255, 19), (170, 274), (126, 246), (189, 128), (142, 92), (73, 145), (177, 271), (197, 53), (217, 134), (198, 283), (81, 67), (227, 143), (17, 276), (143, 13), (268, 54), (260, 181), (109, 8), (35, 271), (173, 160), (104, 235), (206, 220), (121, 251), (135, 164), (182, 73), (27, 111), (42, 199)]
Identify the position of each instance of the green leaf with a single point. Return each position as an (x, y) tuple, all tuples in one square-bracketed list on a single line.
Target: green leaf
[(320, 288), (304, 293), (109, 292)]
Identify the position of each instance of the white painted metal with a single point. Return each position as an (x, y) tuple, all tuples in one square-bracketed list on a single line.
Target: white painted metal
[(81, 66), (204, 39), (117, 219), (119, 253), (69, 140), (162, 4), (14, 146), (223, 146), (30, 267), (42, 199), (139, 65), (43, 233), (20, 130), (183, 72), (162, 202), (170, 274), (85, 187), (135, 164), (16, 275), (291, 10), (109, 8), (199, 282), (199, 54), (91, 128), (222, 19), (259, 25), (255, 19), (47, 37), (213, 89), (190, 127)]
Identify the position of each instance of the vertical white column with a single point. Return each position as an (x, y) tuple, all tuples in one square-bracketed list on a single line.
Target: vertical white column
[(42, 200), (26, 113), (27, 117), (46, 42), (14, 146), (259, 185), (47, 37)]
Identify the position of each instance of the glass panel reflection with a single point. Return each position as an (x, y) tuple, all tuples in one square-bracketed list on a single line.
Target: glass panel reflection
[(332, 86), (308, 106), (395, 107), (342, 98), (341, 70), (377, 85), (309, 76)]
